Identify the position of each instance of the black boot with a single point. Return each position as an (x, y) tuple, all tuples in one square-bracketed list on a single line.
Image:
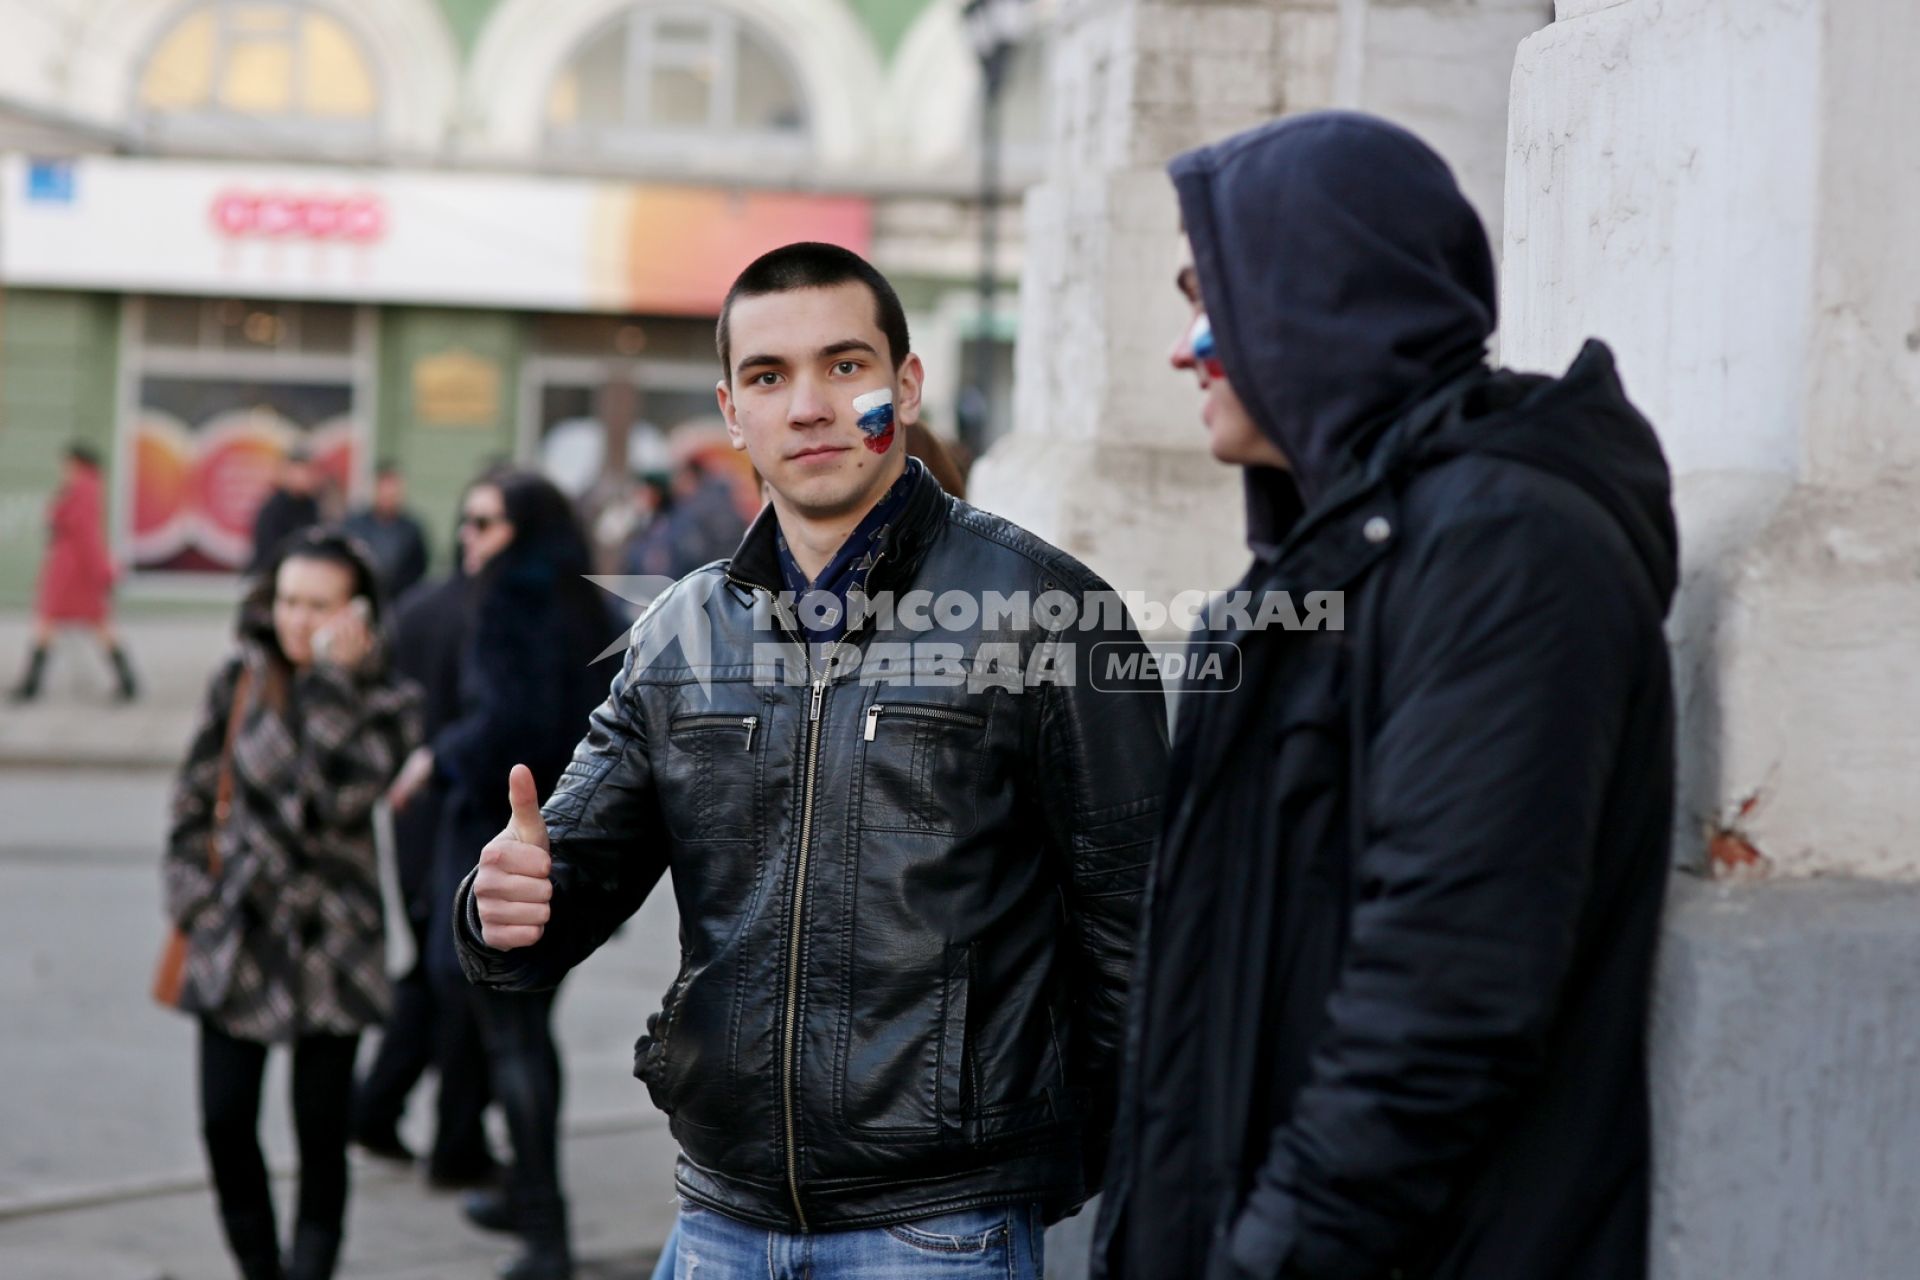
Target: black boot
[(544, 1258), (29, 687), (315, 1250), (254, 1244), (260, 1266), (129, 687), (491, 1211)]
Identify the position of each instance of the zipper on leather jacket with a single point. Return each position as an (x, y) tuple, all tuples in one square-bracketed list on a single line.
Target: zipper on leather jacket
[(697, 723), (914, 710), (789, 1040)]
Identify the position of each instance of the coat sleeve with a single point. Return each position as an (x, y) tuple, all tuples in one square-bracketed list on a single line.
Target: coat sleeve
[(500, 697), (186, 873), (1507, 656), (1103, 749), (609, 847), (413, 562)]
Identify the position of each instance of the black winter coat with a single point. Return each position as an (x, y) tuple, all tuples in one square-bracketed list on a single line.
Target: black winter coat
[(1389, 1018), (527, 683), (907, 909), (430, 626)]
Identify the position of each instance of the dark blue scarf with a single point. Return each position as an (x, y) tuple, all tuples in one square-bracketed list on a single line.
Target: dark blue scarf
[(850, 564)]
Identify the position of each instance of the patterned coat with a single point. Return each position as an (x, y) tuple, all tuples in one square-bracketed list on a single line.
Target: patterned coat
[(289, 939)]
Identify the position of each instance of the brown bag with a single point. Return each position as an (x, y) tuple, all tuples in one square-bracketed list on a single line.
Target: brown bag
[(170, 974)]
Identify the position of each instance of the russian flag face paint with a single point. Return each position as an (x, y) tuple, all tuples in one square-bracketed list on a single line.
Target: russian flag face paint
[(875, 410), (1205, 349)]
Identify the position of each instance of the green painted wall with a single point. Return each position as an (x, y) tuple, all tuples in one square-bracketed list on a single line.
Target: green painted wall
[(465, 18), (59, 354), (439, 460), (888, 20)]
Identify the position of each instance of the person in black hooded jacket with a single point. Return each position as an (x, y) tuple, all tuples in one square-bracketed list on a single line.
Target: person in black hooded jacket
[(1388, 1016)]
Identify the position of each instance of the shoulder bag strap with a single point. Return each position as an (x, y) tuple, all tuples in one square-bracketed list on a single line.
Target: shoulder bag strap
[(223, 791)]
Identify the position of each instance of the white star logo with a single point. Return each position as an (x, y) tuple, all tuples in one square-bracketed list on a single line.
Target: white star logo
[(694, 633)]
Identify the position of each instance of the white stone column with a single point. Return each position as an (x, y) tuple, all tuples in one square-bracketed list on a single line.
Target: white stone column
[(1442, 68), (1107, 457), (1725, 191)]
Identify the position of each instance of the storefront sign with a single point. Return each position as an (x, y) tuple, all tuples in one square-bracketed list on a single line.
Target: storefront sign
[(287, 216), (456, 389), (163, 226)]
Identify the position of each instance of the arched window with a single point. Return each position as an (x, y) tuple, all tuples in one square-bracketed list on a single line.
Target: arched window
[(248, 73), (663, 80)]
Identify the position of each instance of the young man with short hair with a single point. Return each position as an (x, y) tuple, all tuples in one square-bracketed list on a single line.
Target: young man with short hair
[(907, 842)]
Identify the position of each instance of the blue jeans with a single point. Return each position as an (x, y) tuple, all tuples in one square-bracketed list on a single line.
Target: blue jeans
[(1005, 1242)]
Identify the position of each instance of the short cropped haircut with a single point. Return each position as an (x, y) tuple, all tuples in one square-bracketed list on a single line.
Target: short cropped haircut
[(812, 265)]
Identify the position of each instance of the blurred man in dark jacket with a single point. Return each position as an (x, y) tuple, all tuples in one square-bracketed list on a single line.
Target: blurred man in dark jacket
[(1389, 1018), (395, 538), (292, 505), (430, 629)]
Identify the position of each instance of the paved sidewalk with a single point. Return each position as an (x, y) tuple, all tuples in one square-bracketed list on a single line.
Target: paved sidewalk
[(622, 1200), (102, 1176), (75, 722)]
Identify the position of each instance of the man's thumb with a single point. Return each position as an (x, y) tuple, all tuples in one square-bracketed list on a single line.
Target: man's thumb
[(526, 825)]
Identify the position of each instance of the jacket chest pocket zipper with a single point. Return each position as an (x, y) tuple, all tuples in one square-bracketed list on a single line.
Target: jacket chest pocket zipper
[(717, 723), (918, 711)]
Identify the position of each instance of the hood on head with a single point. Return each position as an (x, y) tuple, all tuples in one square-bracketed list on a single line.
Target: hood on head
[(1344, 274)]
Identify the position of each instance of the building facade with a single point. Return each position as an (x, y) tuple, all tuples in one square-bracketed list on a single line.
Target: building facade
[(448, 232)]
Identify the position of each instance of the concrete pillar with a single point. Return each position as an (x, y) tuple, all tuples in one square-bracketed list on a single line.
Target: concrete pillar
[(1717, 189), (1107, 457), (1723, 190), (1442, 69)]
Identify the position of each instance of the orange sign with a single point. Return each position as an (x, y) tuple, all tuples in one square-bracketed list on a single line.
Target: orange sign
[(683, 247)]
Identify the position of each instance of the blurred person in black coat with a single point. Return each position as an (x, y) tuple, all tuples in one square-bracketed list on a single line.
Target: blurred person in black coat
[(526, 686), (429, 1023), (293, 505), (390, 532)]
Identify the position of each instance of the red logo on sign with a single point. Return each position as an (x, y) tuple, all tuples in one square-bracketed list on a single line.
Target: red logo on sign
[(360, 219)]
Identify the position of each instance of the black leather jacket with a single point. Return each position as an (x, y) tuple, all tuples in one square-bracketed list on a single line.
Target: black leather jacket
[(907, 908)]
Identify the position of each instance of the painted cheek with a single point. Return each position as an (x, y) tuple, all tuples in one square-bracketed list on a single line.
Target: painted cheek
[(1205, 350), (875, 410)]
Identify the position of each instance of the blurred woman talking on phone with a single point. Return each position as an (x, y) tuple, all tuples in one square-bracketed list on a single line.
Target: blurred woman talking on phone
[(271, 873)]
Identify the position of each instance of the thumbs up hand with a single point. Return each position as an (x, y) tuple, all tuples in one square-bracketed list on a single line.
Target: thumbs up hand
[(512, 889)]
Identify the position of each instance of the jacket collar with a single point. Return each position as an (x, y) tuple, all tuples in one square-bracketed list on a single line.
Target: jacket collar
[(1357, 522), (756, 562)]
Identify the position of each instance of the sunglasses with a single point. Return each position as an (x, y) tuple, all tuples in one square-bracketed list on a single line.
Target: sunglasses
[(480, 524)]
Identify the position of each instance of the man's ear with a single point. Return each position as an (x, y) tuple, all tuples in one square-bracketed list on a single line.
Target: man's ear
[(723, 393), (912, 378)]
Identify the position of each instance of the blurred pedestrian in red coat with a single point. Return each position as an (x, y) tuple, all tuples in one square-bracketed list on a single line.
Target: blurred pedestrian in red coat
[(76, 579)]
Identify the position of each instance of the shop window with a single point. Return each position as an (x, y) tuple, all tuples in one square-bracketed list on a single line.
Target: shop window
[(588, 374), (235, 324), (222, 389), (657, 80), (246, 74), (655, 337)]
